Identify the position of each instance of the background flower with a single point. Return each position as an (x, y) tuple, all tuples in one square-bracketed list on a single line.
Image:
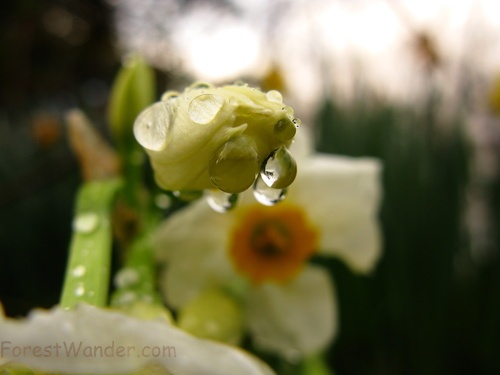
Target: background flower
[(331, 210)]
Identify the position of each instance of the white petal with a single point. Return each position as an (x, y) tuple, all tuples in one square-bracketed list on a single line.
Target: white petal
[(104, 332), (192, 243), (294, 319), (303, 144), (342, 196)]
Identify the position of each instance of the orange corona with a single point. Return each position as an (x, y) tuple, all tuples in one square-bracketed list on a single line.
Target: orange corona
[(272, 243)]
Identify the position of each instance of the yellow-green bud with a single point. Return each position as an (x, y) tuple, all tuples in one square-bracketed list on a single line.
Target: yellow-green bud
[(215, 315), (208, 137), (147, 311)]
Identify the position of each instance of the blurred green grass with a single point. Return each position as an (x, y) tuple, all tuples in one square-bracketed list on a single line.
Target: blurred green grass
[(428, 308)]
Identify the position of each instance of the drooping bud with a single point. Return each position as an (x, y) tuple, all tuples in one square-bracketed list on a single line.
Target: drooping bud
[(216, 138)]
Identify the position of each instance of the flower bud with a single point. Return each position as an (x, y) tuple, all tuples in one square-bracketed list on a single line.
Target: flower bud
[(207, 137), (214, 315)]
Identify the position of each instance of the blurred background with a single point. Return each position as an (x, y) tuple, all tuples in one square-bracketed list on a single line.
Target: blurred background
[(414, 83)]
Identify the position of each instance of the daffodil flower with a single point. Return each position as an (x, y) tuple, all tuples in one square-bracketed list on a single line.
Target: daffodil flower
[(98, 341), (290, 305), (217, 138)]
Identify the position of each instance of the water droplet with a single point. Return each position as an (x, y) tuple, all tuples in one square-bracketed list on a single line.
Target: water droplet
[(79, 290), (188, 195), (127, 297), (170, 95), (279, 169), (152, 125), (235, 165), (266, 195), (163, 201), (285, 130), (221, 201), (200, 85), (126, 277), (86, 222), (205, 107), (274, 96), (79, 271), (296, 122)]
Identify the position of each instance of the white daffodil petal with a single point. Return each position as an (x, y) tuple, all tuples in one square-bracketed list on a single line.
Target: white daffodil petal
[(342, 197), (92, 340), (294, 319), (191, 245)]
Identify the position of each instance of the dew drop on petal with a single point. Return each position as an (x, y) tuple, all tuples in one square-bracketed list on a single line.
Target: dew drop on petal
[(279, 169), (285, 130), (170, 95), (205, 107), (151, 126), (220, 201), (234, 165), (200, 85), (86, 222), (274, 96), (79, 271), (266, 195)]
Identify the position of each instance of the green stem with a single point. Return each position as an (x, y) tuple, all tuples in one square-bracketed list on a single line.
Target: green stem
[(315, 365), (87, 273), (135, 282)]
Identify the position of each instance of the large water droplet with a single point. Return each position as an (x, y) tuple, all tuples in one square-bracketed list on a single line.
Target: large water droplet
[(235, 165), (266, 195), (274, 96), (204, 108), (79, 271), (221, 201), (151, 126), (86, 222), (285, 130), (279, 169)]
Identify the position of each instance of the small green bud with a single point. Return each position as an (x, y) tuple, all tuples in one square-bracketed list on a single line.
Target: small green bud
[(132, 91)]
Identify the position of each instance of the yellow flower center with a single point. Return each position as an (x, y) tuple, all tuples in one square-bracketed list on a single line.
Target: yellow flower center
[(272, 243)]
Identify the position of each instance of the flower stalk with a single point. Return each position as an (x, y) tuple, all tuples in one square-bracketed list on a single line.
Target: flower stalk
[(87, 273)]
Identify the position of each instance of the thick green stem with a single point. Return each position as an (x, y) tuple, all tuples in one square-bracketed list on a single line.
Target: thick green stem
[(136, 280), (87, 273)]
